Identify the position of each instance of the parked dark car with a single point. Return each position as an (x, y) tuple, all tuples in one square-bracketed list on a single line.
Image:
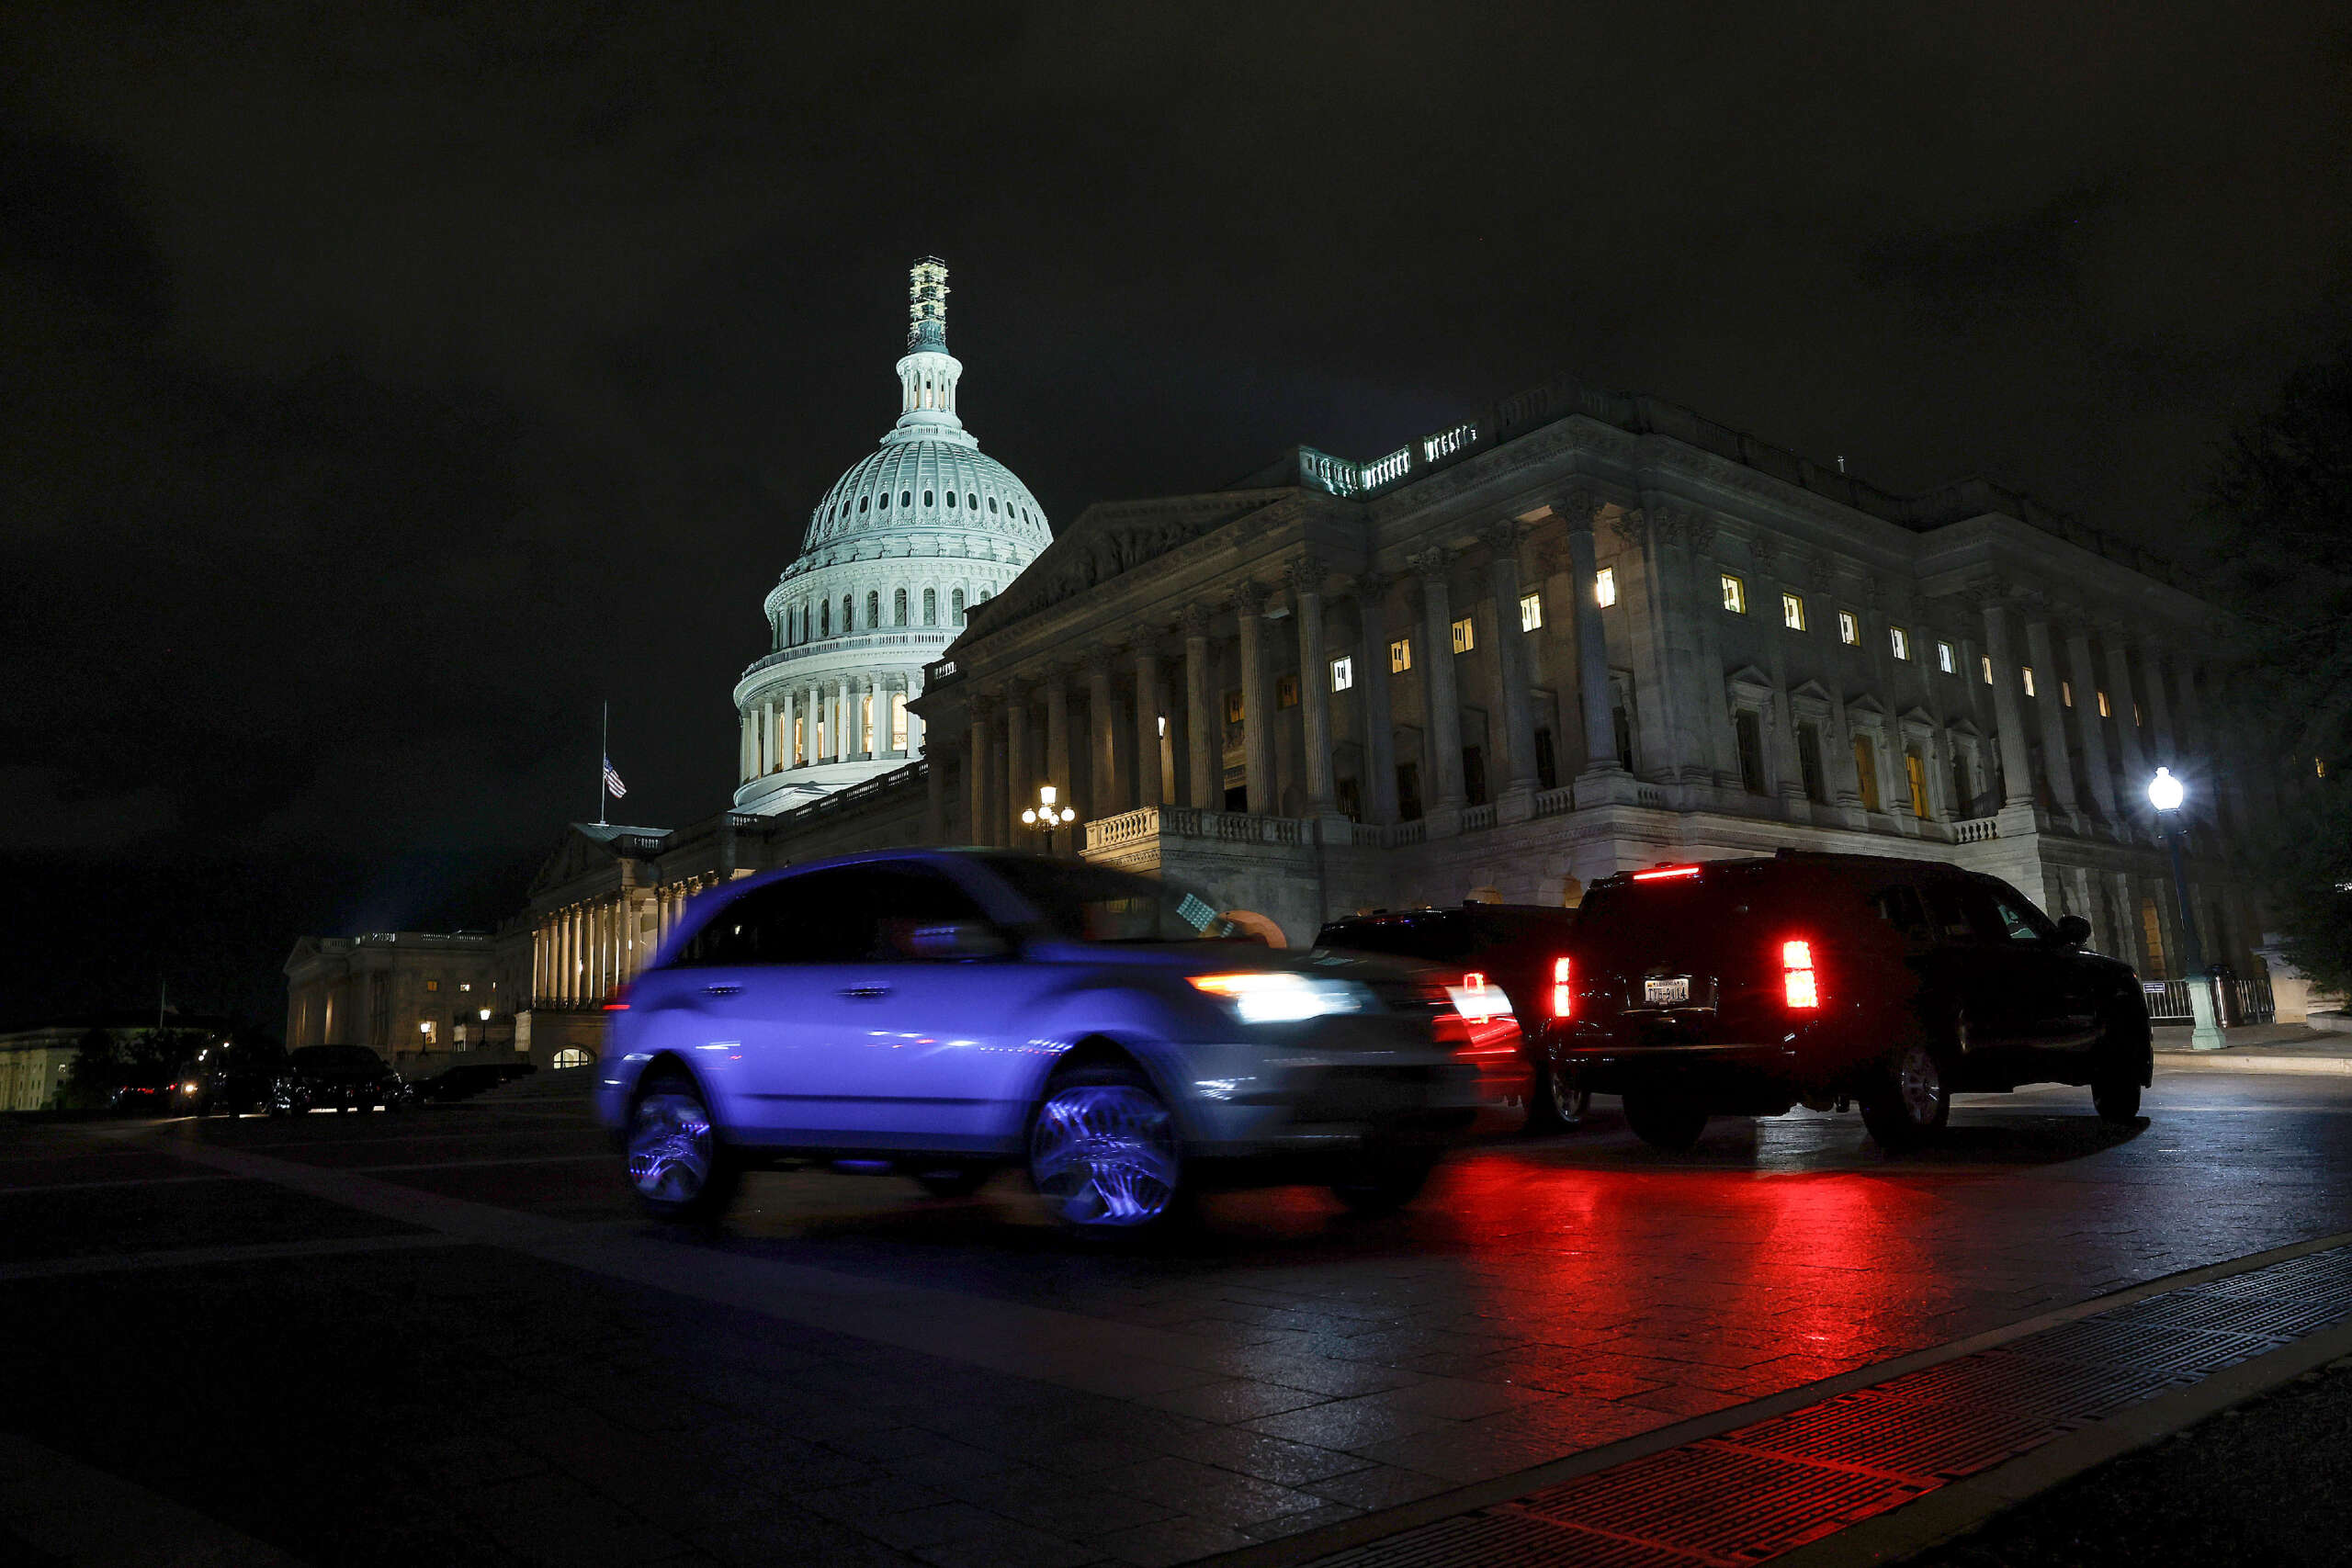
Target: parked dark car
[(236, 1077), (1747, 986), (1514, 948), (143, 1091), (468, 1079), (335, 1078)]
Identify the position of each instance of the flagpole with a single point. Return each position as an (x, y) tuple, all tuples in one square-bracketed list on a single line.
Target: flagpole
[(604, 784)]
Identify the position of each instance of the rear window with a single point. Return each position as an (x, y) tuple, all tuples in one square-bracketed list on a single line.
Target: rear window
[(1436, 937)]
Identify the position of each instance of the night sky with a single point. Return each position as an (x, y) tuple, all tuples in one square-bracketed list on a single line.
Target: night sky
[(387, 387)]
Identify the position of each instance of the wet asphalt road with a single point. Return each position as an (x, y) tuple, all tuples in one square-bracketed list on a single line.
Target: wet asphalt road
[(446, 1337)]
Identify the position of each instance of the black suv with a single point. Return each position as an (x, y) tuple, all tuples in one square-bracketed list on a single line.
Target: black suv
[(335, 1078), (1514, 948), (1747, 987)]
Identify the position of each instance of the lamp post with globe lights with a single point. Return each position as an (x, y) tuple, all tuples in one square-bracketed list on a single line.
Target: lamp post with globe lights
[(1046, 815), (2165, 793)]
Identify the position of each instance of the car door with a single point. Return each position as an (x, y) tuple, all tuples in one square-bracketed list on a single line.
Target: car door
[(2035, 969), (907, 1032), (721, 1004)]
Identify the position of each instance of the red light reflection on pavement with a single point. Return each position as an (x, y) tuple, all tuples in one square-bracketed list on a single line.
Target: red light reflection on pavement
[(1681, 1289)]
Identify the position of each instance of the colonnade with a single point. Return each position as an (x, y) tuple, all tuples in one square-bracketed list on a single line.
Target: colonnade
[(838, 717)]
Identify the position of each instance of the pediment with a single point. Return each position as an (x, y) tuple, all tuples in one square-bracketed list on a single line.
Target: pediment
[(1866, 706)]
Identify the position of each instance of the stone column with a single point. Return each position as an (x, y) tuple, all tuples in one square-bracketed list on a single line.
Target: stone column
[(1020, 788), (2137, 769), (2058, 763), (2159, 735), (1002, 810), (1592, 638), (1372, 679), (1148, 774), (1437, 683), (2085, 674), (1058, 772), (1203, 730), (934, 798), (976, 769), (1314, 686), (2017, 763), (916, 736), (1517, 801), (1257, 700), (743, 749), (1103, 756)]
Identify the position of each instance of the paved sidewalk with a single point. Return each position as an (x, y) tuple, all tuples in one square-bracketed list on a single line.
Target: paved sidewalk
[(2260, 1047)]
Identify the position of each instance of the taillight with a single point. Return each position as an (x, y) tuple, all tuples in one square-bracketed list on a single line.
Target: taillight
[(1564, 1001), (1798, 982), (1666, 873), (617, 999)]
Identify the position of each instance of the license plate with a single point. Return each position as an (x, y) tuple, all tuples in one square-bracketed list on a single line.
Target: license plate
[(1667, 992)]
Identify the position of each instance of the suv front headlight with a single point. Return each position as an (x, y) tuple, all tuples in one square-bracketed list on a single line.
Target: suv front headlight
[(1279, 996)]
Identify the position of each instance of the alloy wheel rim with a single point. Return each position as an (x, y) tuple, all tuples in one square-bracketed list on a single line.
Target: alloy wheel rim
[(1563, 1088), (669, 1147), (1105, 1155), (1920, 1084)]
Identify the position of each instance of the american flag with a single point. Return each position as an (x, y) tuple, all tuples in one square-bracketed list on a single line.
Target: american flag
[(613, 781)]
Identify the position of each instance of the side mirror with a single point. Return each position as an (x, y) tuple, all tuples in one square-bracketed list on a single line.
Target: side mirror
[(953, 941), (2073, 931)]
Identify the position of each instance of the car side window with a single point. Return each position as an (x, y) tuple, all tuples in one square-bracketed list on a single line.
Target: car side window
[(1949, 911), (904, 899), (820, 918), (1899, 907), (2019, 921)]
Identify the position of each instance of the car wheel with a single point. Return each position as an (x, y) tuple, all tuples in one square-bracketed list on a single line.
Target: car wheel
[(953, 1181), (1559, 1099), (1386, 1179), (676, 1165), (1665, 1119), (2123, 1064), (1102, 1152), (1912, 1099)]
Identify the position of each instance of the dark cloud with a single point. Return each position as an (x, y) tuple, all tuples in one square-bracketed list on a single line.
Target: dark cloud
[(387, 388)]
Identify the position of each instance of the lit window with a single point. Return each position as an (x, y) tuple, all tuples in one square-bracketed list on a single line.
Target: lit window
[(1400, 656), (432, 985), (898, 721), (1604, 587), (1344, 673), (2102, 706), (1163, 724), (2066, 693), (1849, 630), (1792, 612), (1286, 691), (2319, 766), (1900, 641), (1947, 660), (1233, 707), (2028, 670), (1531, 611), (1984, 663), (465, 985), (1465, 635), (1734, 594)]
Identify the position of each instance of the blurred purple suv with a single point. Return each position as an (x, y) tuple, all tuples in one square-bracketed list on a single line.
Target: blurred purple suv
[(949, 1013)]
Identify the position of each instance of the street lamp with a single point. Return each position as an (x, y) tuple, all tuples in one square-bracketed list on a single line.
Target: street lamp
[(2164, 793), (1046, 817)]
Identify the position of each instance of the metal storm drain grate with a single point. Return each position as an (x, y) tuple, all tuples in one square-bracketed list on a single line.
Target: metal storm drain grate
[(1767, 1488)]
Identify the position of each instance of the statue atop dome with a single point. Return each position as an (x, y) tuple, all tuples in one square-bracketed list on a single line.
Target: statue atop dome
[(927, 306)]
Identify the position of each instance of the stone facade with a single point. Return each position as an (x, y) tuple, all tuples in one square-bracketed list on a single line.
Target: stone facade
[(416, 998), (1579, 634)]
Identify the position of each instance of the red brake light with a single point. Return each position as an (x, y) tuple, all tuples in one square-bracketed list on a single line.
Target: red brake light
[(1798, 982), (1564, 1001), (1663, 872), (617, 1000)]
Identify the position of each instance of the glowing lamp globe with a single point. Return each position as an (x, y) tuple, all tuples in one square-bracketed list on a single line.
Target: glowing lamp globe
[(2164, 791)]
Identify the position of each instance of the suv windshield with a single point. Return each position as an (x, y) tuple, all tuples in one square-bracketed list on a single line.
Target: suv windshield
[(1089, 903), (1438, 935)]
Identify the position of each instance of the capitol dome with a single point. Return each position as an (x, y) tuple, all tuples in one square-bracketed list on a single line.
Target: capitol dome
[(902, 544)]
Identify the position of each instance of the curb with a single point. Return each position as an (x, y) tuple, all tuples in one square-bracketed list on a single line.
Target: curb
[(2225, 1061)]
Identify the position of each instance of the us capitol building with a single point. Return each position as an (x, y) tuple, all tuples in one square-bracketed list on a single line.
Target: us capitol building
[(1570, 634)]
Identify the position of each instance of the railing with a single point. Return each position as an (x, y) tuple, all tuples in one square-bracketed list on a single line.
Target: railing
[(1649, 796), (1476, 818), (2235, 1001), (1555, 802), (849, 800), (1193, 822), (1975, 829), (2247, 1000), (1127, 828), (2167, 1001), (851, 643), (1414, 832)]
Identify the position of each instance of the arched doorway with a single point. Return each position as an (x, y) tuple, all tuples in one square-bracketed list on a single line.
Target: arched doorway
[(1257, 926), (572, 1056)]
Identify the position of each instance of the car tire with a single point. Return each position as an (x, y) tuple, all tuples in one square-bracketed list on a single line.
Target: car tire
[(2123, 1065), (1911, 1100), (949, 1181), (1558, 1101), (1105, 1155), (680, 1170), (1665, 1119), (1384, 1180)]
